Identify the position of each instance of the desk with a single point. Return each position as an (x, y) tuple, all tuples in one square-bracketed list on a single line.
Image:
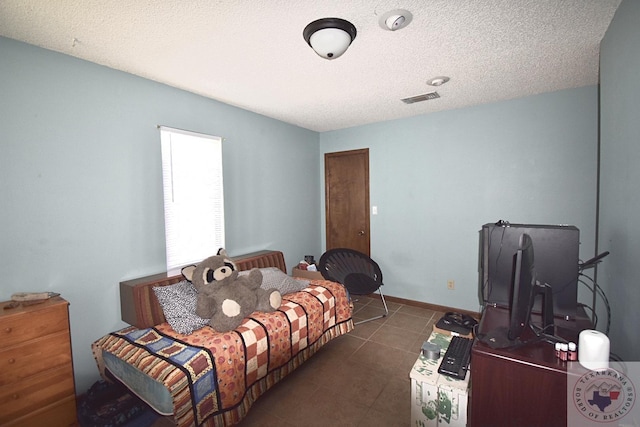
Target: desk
[(526, 386)]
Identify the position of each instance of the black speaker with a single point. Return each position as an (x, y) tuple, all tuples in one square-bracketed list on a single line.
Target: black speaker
[(556, 251)]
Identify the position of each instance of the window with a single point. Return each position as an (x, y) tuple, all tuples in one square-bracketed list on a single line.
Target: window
[(193, 196)]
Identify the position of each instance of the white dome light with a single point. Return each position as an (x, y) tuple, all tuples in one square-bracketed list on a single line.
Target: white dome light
[(330, 37)]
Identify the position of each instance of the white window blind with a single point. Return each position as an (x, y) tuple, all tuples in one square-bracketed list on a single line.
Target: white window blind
[(193, 196)]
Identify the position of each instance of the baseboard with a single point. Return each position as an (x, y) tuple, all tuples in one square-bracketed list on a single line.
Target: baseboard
[(430, 306)]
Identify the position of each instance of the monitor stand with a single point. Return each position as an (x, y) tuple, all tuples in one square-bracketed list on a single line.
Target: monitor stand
[(499, 337), (548, 327)]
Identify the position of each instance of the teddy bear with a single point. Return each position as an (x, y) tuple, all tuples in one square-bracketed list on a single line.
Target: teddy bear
[(226, 297)]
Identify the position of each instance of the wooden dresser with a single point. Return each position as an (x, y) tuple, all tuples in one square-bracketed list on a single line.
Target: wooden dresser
[(36, 371)]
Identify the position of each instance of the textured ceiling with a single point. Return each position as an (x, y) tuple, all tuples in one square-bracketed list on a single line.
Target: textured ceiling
[(251, 53)]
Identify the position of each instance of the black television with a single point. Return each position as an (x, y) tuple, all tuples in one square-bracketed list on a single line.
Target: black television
[(525, 290)]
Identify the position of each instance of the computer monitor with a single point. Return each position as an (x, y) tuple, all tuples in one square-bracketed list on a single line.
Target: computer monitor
[(525, 290)]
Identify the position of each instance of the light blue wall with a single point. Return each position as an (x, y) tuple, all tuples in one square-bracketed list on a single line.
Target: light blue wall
[(436, 179), (82, 199), (620, 177), (80, 183)]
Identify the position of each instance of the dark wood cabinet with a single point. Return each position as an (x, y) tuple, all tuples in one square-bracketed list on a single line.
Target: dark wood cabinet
[(525, 386)]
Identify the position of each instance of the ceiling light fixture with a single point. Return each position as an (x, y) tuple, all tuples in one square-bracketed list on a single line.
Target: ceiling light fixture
[(329, 37), (438, 81), (395, 19)]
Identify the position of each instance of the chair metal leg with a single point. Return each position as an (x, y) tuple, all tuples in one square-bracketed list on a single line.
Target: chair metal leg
[(386, 311)]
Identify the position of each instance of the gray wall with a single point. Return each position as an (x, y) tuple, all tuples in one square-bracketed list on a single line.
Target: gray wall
[(620, 177), (436, 179), (81, 183)]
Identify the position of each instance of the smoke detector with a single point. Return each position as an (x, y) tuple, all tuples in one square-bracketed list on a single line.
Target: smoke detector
[(395, 20)]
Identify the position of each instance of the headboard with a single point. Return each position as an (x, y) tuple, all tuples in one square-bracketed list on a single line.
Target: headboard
[(140, 306)]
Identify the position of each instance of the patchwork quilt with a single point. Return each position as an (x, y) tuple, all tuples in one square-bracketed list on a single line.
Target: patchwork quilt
[(213, 377)]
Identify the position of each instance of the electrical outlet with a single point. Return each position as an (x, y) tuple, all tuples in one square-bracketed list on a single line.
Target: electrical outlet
[(451, 284)]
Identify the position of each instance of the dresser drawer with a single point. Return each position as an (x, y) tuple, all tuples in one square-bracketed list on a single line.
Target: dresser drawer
[(59, 414), (26, 323), (19, 362), (17, 400)]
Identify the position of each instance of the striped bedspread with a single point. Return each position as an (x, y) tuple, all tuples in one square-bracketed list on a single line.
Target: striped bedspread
[(213, 377)]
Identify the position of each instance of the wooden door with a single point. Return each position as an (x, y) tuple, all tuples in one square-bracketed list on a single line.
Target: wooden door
[(347, 200)]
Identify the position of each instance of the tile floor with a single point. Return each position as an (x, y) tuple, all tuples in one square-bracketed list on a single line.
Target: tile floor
[(359, 379)]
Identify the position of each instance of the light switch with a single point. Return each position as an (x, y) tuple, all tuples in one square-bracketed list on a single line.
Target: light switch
[(374, 210)]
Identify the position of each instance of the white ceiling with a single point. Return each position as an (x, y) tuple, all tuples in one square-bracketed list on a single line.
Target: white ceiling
[(251, 53)]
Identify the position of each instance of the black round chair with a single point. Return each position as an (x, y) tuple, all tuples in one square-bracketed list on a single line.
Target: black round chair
[(356, 271)]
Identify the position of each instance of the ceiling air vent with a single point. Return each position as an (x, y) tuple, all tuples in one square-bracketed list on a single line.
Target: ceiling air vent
[(420, 98)]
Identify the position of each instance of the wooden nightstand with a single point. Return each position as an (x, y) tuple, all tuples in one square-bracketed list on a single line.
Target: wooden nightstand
[(36, 370)]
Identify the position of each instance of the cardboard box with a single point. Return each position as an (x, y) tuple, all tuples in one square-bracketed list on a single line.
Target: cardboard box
[(309, 275), (437, 400), (450, 333)]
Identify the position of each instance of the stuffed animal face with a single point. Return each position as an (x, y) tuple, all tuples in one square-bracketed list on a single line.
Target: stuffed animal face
[(212, 271)]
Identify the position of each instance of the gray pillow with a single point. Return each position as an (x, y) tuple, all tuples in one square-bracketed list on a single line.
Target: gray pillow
[(178, 304), (273, 277)]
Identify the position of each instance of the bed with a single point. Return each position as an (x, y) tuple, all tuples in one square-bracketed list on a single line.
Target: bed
[(208, 378)]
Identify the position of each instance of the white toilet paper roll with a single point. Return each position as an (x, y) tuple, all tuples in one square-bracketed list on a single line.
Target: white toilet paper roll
[(593, 349)]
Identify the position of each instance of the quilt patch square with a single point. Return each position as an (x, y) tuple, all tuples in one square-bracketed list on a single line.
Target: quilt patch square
[(203, 387), (198, 365), (150, 336), (185, 355), (167, 347), (207, 406)]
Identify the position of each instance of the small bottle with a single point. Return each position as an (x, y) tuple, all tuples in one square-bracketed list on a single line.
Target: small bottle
[(558, 349), (573, 352), (564, 349)]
